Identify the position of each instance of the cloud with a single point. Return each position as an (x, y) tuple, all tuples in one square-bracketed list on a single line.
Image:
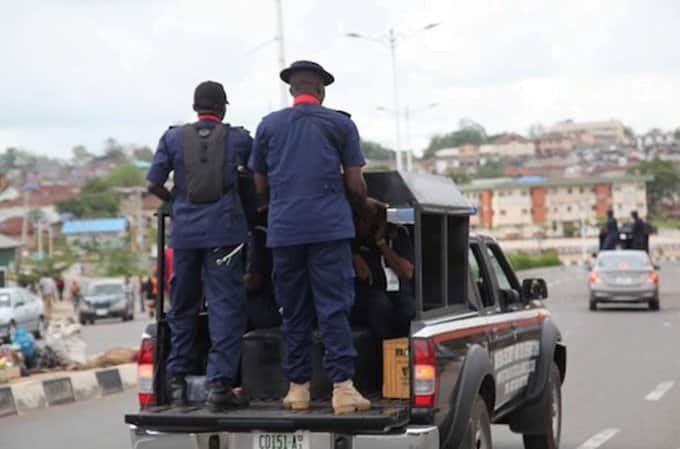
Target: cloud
[(81, 71)]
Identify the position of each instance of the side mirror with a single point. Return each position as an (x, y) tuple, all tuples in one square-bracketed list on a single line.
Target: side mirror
[(657, 267), (535, 288)]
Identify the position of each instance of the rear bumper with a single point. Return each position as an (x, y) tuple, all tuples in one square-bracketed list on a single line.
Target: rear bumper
[(414, 437), (613, 295)]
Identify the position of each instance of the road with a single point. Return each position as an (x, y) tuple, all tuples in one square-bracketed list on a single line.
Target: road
[(622, 389), (111, 333)]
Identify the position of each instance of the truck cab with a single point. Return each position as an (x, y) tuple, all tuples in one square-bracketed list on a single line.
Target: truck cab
[(482, 348)]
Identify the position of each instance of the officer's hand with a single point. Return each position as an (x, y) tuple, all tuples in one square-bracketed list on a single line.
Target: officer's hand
[(362, 269), (380, 231)]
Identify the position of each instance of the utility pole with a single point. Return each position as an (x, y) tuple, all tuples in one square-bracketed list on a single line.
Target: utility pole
[(393, 51), (409, 150), (282, 51)]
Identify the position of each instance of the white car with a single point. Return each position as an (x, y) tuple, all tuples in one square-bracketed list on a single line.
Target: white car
[(19, 307)]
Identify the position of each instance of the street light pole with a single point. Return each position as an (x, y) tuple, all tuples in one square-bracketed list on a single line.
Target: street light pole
[(393, 51), (282, 51)]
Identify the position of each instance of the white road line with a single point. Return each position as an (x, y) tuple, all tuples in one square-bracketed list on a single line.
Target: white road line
[(599, 439), (660, 390)]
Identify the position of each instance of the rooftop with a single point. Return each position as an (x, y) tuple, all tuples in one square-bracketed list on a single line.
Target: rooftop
[(94, 226), (8, 243), (537, 181)]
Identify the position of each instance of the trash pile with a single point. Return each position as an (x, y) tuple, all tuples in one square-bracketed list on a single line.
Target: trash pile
[(11, 362)]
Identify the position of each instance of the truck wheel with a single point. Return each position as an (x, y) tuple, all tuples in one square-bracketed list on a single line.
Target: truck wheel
[(654, 304), (593, 305), (551, 438), (478, 433)]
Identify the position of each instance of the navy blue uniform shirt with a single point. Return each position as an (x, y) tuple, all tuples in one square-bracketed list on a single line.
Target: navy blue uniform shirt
[(307, 201), (209, 225)]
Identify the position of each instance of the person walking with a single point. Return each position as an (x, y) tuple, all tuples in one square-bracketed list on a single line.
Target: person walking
[(612, 237), (208, 233), (75, 295), (60, 288), (308, 172)]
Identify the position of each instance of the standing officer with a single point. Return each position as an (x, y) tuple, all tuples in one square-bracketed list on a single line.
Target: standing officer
[(612, 237), (308, 161), (640, 233), (208, 232)]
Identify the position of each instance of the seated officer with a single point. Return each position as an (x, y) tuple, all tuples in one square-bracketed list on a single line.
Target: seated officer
[(208, 232), (261, 309), (383, 260)]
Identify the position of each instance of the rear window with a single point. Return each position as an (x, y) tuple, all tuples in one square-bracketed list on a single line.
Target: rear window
[(106, 289), (4, 300), (624, 261)]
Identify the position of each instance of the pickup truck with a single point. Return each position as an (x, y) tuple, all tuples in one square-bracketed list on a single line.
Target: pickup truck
[(483, 350)]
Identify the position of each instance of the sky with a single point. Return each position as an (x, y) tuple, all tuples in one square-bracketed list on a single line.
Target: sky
[(79, 71)]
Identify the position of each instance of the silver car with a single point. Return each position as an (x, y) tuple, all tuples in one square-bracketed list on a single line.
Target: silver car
[(19, 307), (106, 299), (625, 276)]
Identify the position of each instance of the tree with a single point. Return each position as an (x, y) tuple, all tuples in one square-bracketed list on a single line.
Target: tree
[(535, 131), (629, 133), (454, 139), (373, 150), (114, 151), (665, 183), (458, 176), (142, 154), (125, 176), (490, 170), (96, 200), (9, 159), (80, 154), (676, 134)]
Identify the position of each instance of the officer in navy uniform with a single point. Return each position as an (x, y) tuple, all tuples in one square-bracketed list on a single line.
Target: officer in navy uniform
[(307, 164), (208, 234)]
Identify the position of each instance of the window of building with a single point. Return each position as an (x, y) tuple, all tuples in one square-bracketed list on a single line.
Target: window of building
[(568, 208), (570, 190), (524, 211), (502, 212), (594, 208), (580, 190)]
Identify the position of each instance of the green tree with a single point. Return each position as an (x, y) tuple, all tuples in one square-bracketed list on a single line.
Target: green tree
[(80, 154), (9, 159), (125, 176), (96, 200), (375, 151), (458, 176), (629, 133), (114, 151), (454, 139), (665, 183), (490, 170), (142, 154)]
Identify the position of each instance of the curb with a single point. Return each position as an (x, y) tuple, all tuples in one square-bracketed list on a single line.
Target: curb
[(76, 386)]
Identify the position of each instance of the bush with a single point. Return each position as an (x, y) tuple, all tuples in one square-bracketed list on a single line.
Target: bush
[(521, 261)]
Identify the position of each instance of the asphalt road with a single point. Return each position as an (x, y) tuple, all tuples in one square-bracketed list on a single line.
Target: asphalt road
[(622, 389), (113, 333)]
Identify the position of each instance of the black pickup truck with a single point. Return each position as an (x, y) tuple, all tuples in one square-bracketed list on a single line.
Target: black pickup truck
[(483, 350)]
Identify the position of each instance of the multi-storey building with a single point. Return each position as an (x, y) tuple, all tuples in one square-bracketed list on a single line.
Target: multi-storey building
[(551, 204), (605, 133)]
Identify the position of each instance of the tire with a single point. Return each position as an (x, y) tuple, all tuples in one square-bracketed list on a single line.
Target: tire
[(593, 305), (92, 321), (654, 304), (550, 439), (478, 433)]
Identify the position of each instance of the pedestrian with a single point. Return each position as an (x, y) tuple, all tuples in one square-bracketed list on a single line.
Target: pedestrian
[(141, 292), (612, 237), (208, 233), (640, 232), (128, 289), (75, 295), (307, 165), (60, 288)]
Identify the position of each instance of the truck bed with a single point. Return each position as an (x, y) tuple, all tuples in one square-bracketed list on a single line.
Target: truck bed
[(384, 416)]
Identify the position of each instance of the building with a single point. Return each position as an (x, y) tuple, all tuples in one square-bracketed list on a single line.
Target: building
[(655, 137), (464, 158), (554, 205), (96, 233), (604, 133), (508, 146), (8, 254)]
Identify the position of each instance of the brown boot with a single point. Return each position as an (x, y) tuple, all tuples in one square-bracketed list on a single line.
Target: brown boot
[(297, 397), (346, 399)]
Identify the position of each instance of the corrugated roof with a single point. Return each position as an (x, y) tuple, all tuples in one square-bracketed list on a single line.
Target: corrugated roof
[(8, 243), (94, 226), (548, 182)]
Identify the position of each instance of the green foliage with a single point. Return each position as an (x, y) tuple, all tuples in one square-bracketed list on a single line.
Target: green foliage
[(80, 154), (458, 176), (454, 139), (142, 154), (662, 222), (570, 229), (118, 262), (521, 261), (492, 169), (665, 184), (125, 176), (114, 152), (375, 151)]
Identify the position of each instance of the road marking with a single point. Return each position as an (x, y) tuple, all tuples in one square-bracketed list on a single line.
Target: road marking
[(599, 439), (667, 324), (660, 390)]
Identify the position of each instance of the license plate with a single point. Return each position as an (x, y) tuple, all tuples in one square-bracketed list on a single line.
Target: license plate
[(624, 281), (297, 440), (102, 312)]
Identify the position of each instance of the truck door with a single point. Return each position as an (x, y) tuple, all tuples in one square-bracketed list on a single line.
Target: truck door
[(520, 361), (501, 335)]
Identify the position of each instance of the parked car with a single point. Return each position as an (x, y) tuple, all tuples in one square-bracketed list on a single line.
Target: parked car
[(482, 349), (106, 299), (624, 276), (20, 307)]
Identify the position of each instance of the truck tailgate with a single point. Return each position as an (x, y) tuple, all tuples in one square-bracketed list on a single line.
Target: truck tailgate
[(269, 416)]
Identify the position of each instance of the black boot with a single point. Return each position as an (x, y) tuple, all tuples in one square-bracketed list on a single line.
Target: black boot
[(221, 397), (177, 391)]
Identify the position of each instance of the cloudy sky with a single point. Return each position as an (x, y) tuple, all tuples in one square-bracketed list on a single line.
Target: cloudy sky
[(78, 71)]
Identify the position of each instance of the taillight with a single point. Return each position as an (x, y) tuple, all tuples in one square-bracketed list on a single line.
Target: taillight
[(594, 278), (654, 277), (145, 373), (425, 381)]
